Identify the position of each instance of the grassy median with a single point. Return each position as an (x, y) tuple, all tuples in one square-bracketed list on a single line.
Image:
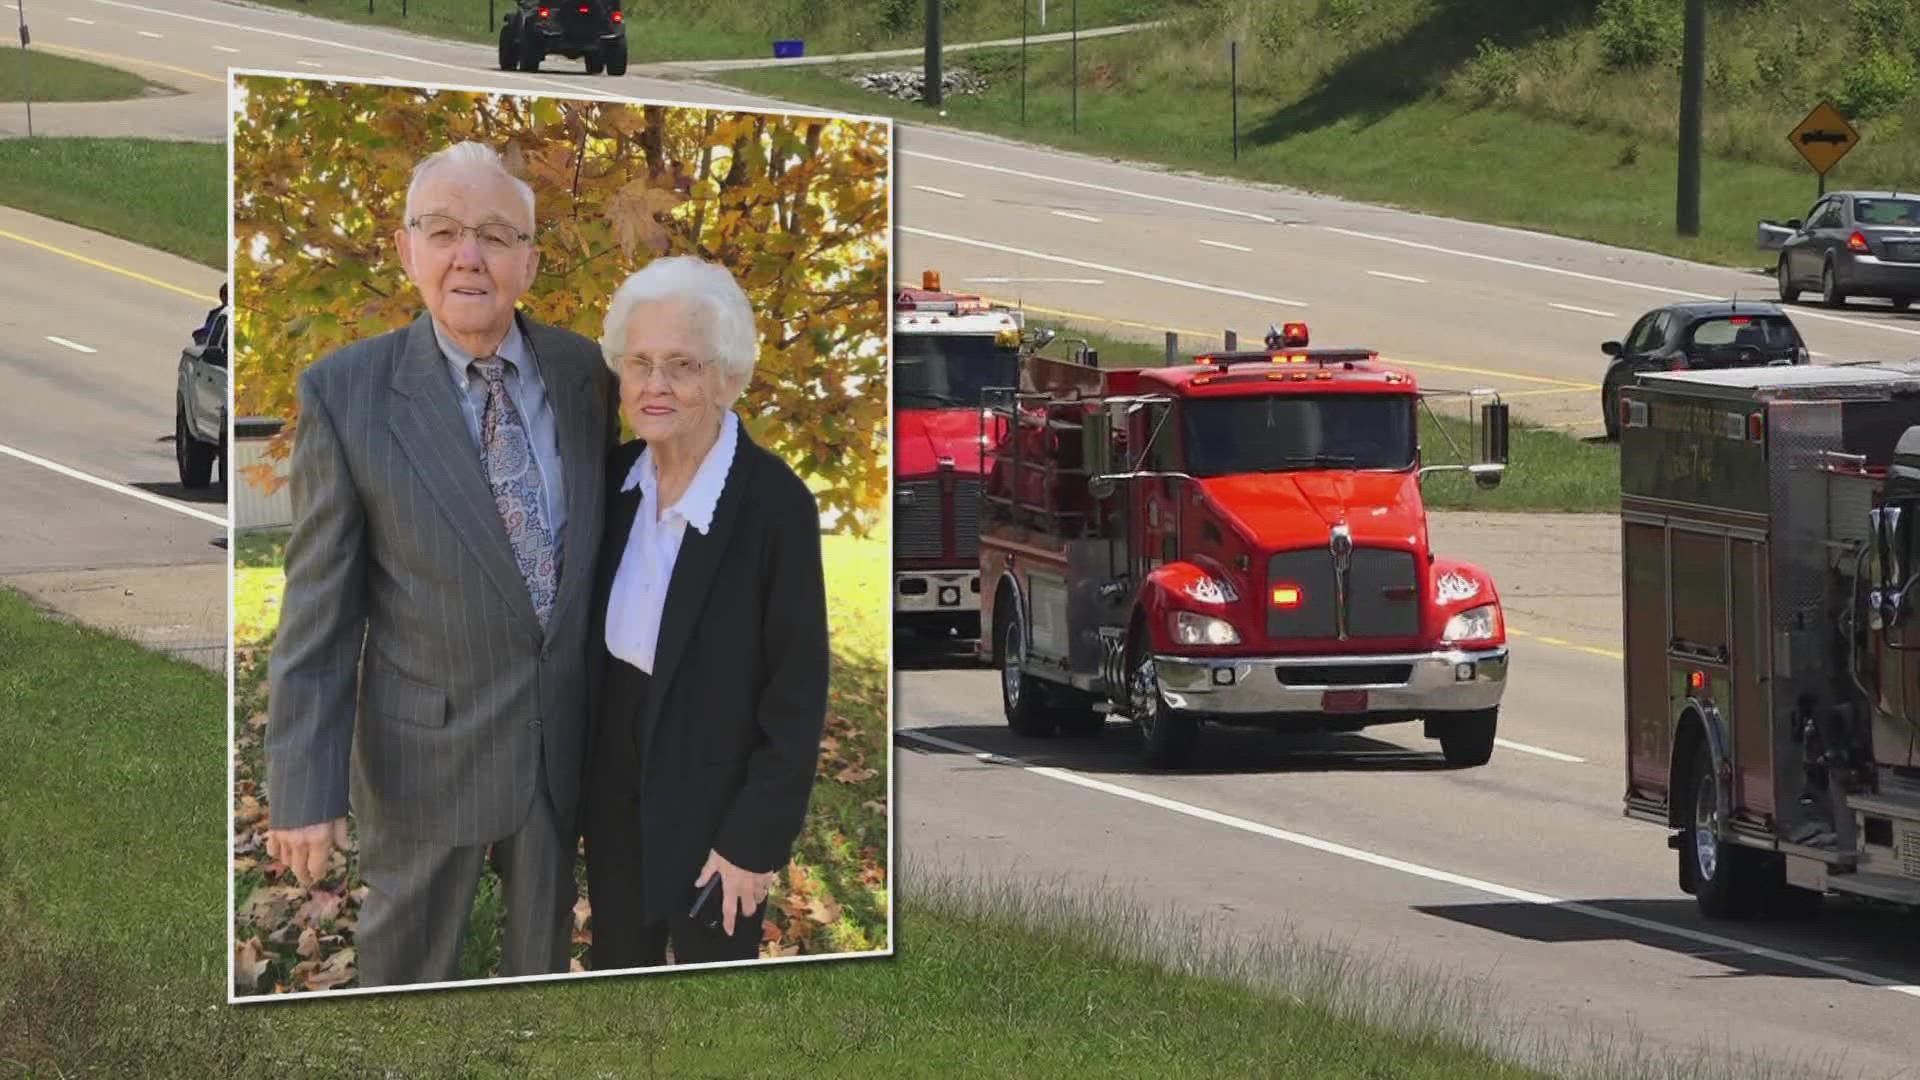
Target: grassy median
[(62, 78), (166, 195)]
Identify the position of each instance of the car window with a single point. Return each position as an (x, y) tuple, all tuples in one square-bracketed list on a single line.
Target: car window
[(1829, 216), (1759, 331), (1643, 336), (1886, 211)]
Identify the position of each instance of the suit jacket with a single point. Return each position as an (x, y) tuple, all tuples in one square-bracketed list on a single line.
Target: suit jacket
[(407, 643), (730, 736)]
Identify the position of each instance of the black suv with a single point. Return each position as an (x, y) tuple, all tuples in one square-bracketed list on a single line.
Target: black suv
[(595, 30), (1698, 334)]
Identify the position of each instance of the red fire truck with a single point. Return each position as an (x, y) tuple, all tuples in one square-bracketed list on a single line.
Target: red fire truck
[(1770, 546), (947, 348), (1241, 539)]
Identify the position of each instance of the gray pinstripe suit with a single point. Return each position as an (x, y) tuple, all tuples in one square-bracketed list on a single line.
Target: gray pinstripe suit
[(410, 660)]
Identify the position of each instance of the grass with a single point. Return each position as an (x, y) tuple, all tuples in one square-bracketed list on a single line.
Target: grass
[(166, 195), (112, 951), (834, 898), (62, 78), (1548, 471), (1398, 102), (661, 31)]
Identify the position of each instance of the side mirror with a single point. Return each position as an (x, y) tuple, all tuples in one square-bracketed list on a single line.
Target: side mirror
[(1091, 358), (1884, 523), (1611, 348), (1097, 452), (1493, 433), (1038, 337)]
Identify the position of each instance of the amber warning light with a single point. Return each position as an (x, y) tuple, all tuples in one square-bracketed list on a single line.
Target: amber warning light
[(930, 280)]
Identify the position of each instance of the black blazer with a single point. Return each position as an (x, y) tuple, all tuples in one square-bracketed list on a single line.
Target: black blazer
[(738, 696)]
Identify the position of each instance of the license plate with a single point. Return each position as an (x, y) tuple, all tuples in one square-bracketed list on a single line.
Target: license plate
[(1343, 701)]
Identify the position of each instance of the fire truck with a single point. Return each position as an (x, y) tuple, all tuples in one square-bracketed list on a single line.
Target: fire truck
[(1242, 540), (1769, 519), (947, 349)]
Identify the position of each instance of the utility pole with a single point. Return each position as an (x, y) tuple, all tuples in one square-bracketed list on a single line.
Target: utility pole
[(1023, 58), (1693, 90), (26, 64), (1076, 66), (931, 95)]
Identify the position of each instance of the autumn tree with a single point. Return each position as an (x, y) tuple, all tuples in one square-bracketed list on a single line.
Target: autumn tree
[(795, 205)]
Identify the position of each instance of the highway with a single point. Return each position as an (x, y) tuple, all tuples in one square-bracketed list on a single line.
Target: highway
[(1523, 873)]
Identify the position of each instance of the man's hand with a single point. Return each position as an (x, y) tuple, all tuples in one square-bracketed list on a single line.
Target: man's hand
[(308, 849), (741, 890)]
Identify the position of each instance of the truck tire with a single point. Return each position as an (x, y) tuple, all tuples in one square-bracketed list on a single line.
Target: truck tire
[(1022, 697), (1166, 735), (594, 62), (1830, 293), (617, 59), (509, 45), (194, 458), (1466, 739), (1722, 877), (1610, 408), (529, 50)]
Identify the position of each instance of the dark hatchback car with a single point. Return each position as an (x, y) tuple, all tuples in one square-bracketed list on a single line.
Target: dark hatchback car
[(590, 30), (1854, 243), (1698, 334)]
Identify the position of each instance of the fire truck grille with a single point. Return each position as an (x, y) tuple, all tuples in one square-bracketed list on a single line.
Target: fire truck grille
[(917, 510), (1382, 594), (1345, 674)]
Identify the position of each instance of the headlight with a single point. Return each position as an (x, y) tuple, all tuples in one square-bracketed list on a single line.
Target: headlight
[(1474, 624), (1190, 628)]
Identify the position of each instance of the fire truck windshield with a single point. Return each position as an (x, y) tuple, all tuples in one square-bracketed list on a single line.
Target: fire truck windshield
[(949, 370), (1282, 432)]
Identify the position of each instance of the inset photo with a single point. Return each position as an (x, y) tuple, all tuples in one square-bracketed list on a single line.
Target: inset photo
[(561, 536)]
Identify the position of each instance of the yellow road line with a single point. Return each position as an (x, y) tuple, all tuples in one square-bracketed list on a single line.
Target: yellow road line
[(134, 60), (1562, 643), (197, 294)]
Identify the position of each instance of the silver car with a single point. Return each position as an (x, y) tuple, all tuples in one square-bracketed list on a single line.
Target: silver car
[(200, 405), (1854, 243)]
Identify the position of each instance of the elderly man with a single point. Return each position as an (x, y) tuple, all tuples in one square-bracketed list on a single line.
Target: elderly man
[(447, 487)]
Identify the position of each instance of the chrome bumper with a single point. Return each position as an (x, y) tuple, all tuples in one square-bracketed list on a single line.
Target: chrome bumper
[(937, 591), (1449, 681)]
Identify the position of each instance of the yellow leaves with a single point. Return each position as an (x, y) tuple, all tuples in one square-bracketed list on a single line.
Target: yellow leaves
[(639, 213)]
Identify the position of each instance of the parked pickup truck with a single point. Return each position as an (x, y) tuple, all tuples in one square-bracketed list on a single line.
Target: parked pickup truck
[(200, 405)]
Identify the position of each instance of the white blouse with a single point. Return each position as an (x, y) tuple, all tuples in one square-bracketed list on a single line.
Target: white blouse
[(640, 583)]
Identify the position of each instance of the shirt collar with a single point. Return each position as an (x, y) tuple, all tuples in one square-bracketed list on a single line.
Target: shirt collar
[(513, 349), (702, 497)]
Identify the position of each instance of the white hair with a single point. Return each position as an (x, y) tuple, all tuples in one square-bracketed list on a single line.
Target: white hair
[(726, 317), (473, 155)]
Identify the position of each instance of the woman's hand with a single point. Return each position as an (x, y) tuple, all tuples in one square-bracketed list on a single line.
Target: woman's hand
[(741, 890)]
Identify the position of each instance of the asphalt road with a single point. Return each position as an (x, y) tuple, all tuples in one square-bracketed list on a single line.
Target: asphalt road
[(1524, 871)]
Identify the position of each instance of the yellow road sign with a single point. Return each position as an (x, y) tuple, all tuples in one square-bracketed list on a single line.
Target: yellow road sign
[(1824, 137)]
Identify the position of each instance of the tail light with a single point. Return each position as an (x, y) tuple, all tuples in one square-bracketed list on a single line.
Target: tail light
[(546, 12), (618, 17), (1286, 596), (585, 10), (1294, 334), (1696, 681), (1858, 242), (1740, 320)]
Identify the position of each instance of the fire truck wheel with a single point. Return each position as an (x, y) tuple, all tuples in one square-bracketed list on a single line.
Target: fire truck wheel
[(1166, 734), (1724, 878), (1467, 739), (1021, 696)]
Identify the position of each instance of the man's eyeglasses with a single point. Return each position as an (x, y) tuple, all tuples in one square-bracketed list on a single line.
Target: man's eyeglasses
[(679, 370), (442, 231)]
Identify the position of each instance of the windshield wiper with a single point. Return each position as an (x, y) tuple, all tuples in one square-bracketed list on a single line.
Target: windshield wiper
[(1318, 460)]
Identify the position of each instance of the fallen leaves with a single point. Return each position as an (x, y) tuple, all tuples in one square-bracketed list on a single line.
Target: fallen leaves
[(249, 963), (855, 774)]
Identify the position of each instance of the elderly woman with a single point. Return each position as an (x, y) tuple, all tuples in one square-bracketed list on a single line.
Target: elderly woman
[(711, 630)]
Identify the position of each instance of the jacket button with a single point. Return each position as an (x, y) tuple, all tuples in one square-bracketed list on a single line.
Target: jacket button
[(534, 724)]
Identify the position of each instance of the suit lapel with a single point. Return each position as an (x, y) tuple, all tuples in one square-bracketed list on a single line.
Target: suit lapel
[(431, 427), (581, 458), (693, 572)]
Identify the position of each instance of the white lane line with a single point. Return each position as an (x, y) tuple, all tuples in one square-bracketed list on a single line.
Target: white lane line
[(1086, 184), (82, 22), (1076, 217), (226, 49), (468, 70), (1398, 277), (1050, 280), (1084, 265), (939, 191), (1224, 244), (122, 489), (149, 34), (1552, 755), (74, 345), (1601, 278), (1388, 862), (309, 63), (1577, 309)]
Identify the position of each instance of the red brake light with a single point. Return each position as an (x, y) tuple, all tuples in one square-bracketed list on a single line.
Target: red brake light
[(585, 10), (1696, 680), (1741, 320), (618, 17), (1286, 596), (1857, 242), (546, 12), (1294, 334)]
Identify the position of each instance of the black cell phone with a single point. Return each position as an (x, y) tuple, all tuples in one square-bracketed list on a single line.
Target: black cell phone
[(708, 908)]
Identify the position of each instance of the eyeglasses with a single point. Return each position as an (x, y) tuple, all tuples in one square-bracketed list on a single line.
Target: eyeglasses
[(679, 370), (444, 232)]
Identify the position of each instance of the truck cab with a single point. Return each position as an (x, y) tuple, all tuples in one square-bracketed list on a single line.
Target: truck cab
[(1241, 539), (200, 404), (948, 348)]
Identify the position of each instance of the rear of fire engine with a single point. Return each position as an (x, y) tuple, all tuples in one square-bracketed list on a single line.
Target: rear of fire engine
[(1772, 657), (1238, 540), (947, 347)]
